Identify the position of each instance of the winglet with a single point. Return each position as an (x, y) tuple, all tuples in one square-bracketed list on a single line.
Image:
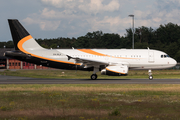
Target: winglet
[(69, 57)]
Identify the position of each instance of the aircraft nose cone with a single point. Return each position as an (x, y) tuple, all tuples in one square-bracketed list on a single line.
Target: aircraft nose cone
[(174, 62)]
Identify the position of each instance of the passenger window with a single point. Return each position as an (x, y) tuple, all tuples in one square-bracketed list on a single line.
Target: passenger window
[(164, 56), (161, 56)]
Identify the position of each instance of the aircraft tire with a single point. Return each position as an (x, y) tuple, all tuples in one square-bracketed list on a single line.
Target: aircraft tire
[(93, 77), (150, 77)]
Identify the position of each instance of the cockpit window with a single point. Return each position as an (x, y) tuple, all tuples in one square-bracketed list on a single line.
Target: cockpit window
[(164, 56)]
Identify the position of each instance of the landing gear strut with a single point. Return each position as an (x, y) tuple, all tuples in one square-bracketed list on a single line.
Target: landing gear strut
[(94, 75), (150, 75)]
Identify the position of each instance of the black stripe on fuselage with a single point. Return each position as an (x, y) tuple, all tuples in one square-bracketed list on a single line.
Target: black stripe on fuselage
[(48, 63)]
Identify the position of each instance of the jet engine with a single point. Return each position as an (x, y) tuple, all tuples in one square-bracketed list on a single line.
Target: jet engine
[(115, 70)]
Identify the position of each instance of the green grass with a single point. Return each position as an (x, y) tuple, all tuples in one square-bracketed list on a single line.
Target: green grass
[(90, 102), (69, 74)]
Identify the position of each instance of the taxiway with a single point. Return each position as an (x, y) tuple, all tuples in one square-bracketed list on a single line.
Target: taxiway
[(25, 80)]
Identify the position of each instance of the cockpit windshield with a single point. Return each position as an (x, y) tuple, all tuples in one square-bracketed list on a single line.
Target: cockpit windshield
[(165, 56)]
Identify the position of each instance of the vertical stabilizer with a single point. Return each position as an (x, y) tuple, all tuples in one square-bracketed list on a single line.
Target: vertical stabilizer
[(18, 32), (21, 38)]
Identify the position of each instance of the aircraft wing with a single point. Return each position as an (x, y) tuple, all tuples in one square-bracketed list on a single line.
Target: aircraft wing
[(88, 62)]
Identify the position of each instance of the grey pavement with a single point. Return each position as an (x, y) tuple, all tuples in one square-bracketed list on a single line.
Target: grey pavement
[(26, 80)]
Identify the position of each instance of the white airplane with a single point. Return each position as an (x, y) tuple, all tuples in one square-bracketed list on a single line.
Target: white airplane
[(114, 62)]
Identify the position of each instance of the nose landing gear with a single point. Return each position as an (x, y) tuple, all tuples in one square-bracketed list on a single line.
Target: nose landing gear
[(150, 75)]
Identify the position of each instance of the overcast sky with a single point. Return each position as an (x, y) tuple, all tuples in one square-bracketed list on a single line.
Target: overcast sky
[(75, 18)]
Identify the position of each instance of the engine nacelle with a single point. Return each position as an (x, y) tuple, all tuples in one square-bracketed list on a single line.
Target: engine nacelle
[(115, 71)]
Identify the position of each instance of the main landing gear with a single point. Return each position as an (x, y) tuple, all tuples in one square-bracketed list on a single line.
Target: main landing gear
[(94, 75), (150, 75)]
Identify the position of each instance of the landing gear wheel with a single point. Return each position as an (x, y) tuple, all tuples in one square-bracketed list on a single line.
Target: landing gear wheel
[(93, 77), (150, 77)]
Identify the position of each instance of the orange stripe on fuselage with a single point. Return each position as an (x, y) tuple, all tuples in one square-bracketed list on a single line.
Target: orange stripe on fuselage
[(89, 51), (20, 46)]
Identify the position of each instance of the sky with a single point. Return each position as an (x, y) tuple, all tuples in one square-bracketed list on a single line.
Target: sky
[(75, 18)]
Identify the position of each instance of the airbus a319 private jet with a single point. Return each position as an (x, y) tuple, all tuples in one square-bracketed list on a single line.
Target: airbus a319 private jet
[(113, 62)]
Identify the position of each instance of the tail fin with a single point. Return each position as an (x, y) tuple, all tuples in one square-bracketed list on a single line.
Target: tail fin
[(21, 38)]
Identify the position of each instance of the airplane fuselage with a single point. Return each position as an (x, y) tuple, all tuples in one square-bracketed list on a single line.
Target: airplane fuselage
[(133, 58)]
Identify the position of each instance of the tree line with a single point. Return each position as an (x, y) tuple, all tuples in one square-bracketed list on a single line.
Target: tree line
[(165, 38)]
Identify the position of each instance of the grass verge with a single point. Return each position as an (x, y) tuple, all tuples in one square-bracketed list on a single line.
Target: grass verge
[(90, 102)]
